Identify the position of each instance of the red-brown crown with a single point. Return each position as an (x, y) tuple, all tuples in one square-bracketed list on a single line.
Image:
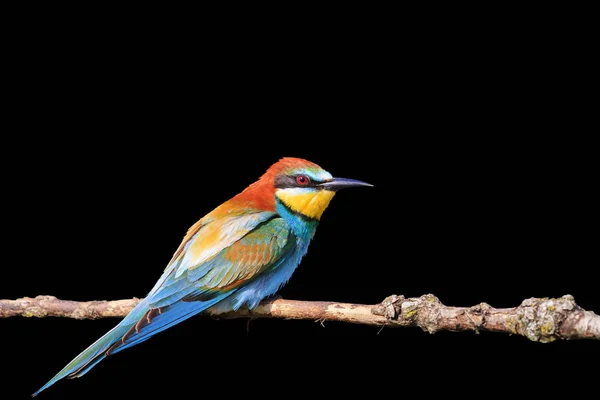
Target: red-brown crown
[(287, 164), (261, 194)]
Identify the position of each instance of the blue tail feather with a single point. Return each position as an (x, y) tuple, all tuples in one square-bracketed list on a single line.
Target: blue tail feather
[(83, 370), (95, 353), (129, 333), (172, 315)]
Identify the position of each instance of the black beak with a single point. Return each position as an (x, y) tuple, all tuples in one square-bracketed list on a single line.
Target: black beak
[(342, 183)]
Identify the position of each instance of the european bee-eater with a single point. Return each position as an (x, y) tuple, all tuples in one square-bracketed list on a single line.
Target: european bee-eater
[(238, 254)]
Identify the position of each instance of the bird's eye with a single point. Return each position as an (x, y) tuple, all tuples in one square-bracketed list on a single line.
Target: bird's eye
[(302, 180)]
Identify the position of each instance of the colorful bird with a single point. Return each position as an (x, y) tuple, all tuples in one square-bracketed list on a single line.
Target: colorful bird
[(238, 254)]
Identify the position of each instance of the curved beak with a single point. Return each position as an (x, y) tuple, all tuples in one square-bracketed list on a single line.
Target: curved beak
[(342, 183)]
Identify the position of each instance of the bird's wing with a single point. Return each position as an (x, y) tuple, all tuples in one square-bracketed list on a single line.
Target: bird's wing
[(208, 237), (191, 286), (245, 258)]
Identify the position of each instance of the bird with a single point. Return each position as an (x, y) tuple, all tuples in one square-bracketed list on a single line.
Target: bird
[(240, 253)]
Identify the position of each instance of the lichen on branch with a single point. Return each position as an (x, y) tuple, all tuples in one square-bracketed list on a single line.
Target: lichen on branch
[(541, 320)]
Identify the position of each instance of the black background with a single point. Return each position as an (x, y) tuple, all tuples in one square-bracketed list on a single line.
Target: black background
[(480, 148)]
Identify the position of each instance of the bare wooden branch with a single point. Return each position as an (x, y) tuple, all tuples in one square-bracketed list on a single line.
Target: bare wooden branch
[(50, 306), (541, 320)]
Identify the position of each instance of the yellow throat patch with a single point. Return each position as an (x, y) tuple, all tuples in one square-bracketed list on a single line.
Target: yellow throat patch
[(309, 203)]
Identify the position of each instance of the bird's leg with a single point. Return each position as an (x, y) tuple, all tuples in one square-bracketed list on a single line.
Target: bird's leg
[(250, 319), (248, 326)]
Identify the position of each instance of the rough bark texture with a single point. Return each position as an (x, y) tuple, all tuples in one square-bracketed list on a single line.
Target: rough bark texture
[(50, 306), (541, 320)]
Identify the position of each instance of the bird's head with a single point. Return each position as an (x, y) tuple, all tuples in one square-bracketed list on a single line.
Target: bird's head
[(304, 187)]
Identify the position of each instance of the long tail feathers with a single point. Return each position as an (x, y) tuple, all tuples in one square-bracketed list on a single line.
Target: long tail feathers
[(139, 325), (96, 352)]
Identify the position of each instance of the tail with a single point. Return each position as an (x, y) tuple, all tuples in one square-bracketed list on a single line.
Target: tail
[(98, 350), (139, 325)]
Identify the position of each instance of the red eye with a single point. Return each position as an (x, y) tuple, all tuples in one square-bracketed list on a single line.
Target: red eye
[(302, 180)]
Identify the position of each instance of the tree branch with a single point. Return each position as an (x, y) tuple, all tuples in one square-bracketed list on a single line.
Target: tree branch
[(540, 320)]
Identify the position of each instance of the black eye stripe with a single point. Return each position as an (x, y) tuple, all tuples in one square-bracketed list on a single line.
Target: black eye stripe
[(291, 181)]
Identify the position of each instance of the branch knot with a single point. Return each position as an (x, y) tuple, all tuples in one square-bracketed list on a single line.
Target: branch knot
[(539, 319)]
